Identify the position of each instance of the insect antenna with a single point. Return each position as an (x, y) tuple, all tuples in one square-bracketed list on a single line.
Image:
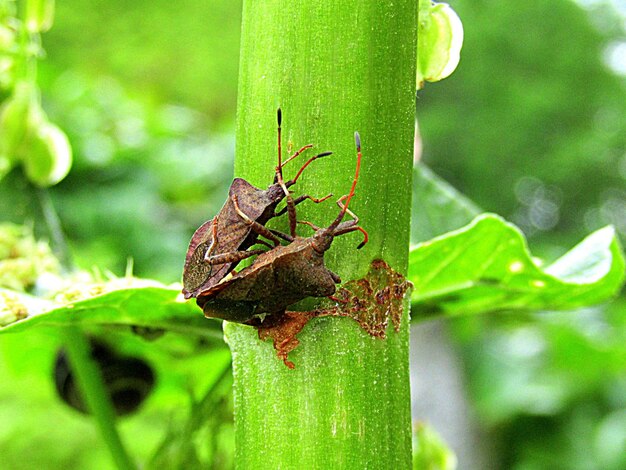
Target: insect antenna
[(279, 169), (298, 153), (344, 209), (308, 162), (291, 208)]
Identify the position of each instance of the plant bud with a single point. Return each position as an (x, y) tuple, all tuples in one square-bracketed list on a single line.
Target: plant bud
[(49, 158), (17, 115), (39, 15), (440, 38)]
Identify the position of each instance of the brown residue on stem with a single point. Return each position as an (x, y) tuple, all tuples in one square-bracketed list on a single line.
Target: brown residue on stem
[(372, 301), (283, 330)]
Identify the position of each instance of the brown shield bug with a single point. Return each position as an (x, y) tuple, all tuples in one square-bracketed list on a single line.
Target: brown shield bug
[(283, 275), (222, 242)]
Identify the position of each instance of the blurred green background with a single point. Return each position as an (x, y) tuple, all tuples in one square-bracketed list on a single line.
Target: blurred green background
[(532, 126)]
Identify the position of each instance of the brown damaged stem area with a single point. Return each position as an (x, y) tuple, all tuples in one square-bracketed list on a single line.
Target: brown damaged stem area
[(283, 330), (372, 301)]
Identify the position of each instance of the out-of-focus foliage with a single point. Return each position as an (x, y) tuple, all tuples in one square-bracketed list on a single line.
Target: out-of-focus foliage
[(487, 267), (153, 161), (531, 125), (138, 318), (129, 302), (39, 431), (437, 206), (152, 173), (22, 258), (549, 386), (27, 136), (146, 162), (429, 450), (183, 52)]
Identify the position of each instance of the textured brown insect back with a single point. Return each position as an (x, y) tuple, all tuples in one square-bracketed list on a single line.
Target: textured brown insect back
[(283, 275), (221, 243)]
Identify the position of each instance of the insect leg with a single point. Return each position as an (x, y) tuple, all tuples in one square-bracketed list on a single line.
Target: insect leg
[(335, 277), (300, 199), (213, 239), (305, 222), (291, 209), (316, 200), (297, 153), (255, 226), (307, 163), (282, 235), (348, 211), (350, 226), (232, 256)]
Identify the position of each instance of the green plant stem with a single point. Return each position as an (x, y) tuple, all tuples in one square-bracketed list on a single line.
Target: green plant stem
[(53, 223), (334, 68), (94, 393), (211, 398), (88, 374), (205, 409)]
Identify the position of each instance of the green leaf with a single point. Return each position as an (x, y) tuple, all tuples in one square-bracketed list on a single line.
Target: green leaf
[(487, 266), (430, 452), (150, 307), (437, 206)]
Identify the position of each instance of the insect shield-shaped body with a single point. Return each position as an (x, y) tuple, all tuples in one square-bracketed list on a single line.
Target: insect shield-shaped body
[(283, 275), (222, 242)]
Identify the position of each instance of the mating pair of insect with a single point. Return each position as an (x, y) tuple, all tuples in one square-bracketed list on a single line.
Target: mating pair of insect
[(279, 276)]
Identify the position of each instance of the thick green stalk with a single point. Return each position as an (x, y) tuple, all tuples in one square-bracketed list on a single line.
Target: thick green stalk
[(334, 68)]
